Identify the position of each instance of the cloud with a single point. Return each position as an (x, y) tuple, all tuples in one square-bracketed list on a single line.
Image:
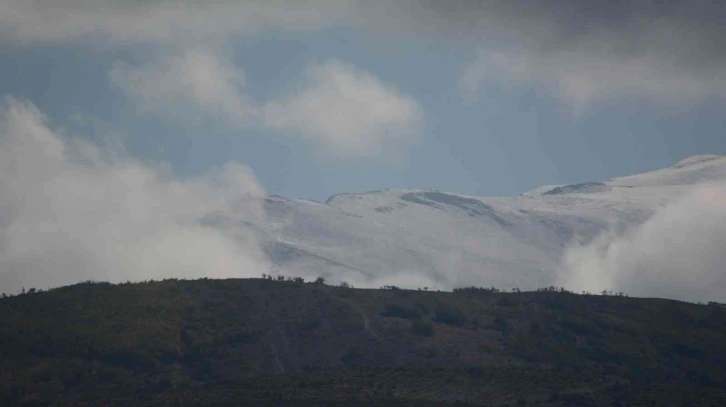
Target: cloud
[(678, 253), (346, 108), (191, 81), (159, 21), (582, 80), (342, 107), (73, 211), (584, 53)]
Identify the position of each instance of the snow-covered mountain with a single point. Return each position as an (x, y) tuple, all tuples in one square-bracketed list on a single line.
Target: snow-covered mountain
[(419, 237)]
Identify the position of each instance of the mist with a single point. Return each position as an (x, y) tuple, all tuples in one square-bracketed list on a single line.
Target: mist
[(679, 253), (72, 211)]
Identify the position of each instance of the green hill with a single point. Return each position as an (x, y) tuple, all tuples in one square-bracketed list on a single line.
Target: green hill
[(261, 342)]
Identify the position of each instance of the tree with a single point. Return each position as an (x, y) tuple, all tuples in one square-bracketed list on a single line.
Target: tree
[(320, 280)]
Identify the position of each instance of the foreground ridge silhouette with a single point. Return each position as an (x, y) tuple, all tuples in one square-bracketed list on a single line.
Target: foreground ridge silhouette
[(290, 343)]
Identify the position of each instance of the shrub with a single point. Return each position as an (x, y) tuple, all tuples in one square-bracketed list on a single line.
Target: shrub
[(350, 356), (400, 311), (474, 289), (449, 316), (501, 325), (424, 309), (422, 328), (578, 327), (505, 301)]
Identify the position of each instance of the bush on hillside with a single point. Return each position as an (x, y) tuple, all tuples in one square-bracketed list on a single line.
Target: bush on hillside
[(400, 311), (423, 328), (448, 315)]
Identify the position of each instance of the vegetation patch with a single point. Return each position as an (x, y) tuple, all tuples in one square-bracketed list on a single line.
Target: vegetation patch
[(401, 311), (423, 328), (280, 342), (449, 315)]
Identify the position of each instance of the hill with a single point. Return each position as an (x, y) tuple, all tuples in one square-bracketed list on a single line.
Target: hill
[(263, 342)]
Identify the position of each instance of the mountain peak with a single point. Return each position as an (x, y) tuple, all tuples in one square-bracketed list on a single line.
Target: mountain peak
[(696, 159)]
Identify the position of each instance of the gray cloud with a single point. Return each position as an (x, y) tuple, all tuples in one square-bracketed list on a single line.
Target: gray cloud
[(583, 52), (159, 21), (73, 211), (553, 25)]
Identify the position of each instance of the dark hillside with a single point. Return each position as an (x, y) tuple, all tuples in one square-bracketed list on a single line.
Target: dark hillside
[(262, 342)]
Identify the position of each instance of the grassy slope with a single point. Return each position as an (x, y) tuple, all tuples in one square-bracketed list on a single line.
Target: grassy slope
[(248, 342)]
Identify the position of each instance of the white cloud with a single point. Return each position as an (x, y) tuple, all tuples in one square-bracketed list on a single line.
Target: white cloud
[(344, 108), (678, 253), (194, 80), (72, 211), (582, 79)]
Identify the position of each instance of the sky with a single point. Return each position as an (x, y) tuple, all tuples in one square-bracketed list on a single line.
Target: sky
[(137, 120), (321, 97)]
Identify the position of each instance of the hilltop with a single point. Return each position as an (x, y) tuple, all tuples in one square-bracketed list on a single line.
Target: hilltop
[(263, 342)]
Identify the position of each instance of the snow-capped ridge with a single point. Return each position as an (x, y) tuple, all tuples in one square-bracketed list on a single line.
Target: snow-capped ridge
[(695, 160), (452, 239), (690, 171)]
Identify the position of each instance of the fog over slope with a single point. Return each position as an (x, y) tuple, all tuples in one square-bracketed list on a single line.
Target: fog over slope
[(660, 233)]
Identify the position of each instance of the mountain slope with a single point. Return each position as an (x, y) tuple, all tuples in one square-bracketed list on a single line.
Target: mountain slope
[(431, 238)]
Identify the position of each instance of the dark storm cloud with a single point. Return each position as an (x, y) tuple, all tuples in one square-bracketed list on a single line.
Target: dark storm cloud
[(686, 29), (582, 51)]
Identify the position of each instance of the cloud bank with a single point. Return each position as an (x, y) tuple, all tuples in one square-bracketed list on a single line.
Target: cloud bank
[(582, 79), (589, 53), (159, 21), (680, 252), (583, 53), (73, 211), (339, 106)]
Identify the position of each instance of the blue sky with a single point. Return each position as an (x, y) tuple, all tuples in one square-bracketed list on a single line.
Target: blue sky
[(329, 97)]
